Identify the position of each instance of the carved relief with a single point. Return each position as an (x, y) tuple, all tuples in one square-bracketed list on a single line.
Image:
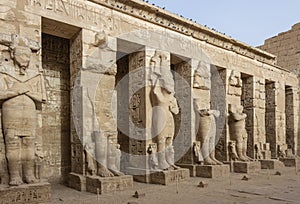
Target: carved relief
[(22, 86), (235, 83), (202, 77)]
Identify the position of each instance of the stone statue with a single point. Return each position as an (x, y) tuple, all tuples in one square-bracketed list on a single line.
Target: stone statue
[(258, 154), (108, 155), (202, 77), (207, 133), (152, 151), (232, 151), (197, 151), (39, 158), (238, 133), (163, 126), (21, 91), (90, 160)]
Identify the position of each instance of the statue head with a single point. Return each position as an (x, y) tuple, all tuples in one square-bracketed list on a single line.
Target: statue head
[(21, 56)]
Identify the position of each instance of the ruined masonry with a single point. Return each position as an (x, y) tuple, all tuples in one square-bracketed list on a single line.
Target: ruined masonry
[(96, 94)]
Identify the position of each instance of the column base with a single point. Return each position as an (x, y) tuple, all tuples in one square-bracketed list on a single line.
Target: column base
[(271, 164), (244, 167), (77, 181), (158, 176), (104, 185), (190, 167), (26, 194), (289, 162), (213, 171), (169, 177)]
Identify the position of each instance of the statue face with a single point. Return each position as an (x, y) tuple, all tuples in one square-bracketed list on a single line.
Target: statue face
[(22, 56)]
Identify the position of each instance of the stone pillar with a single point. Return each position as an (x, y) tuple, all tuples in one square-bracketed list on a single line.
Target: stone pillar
[(95, 152), (253, 101), (219, 88), (275, 118), (291, 112), (139, 131), (184, 121)]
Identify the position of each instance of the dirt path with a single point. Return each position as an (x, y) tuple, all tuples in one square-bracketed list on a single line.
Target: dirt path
[(264, 187)]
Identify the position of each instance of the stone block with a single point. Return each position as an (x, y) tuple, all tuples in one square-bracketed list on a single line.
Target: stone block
[(289, 162), (271, 164), (213, 171), (77, 181), (190, 167), (169, 177), (26, 194), (246, 167), (108, 184)]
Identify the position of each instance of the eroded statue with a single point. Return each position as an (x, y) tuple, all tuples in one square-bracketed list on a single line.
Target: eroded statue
[(163, 124), (207, 133), (22, 89), (238, 133)]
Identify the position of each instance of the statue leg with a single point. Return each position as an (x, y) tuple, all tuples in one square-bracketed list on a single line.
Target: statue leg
[(28, 159), (13, 154), (112, 159), (245, 147), (240, 149), (212, 146), (205, 149), (101, 156), (161, 148)]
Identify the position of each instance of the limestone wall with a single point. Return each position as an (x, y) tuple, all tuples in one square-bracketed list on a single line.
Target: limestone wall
[(84, 91)]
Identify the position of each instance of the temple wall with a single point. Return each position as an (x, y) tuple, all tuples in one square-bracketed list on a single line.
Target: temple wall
[(86, 90)]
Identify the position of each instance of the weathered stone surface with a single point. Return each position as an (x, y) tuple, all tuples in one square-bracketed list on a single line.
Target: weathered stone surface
[(290, 162), (169, 177), (108, 184), (27, 194), (271, 164), (246, 167), (213, 171)]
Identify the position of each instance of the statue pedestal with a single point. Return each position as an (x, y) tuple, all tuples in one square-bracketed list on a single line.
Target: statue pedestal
[(290, 162), (77, 181), (207, 171), (244, 167), (26, 194), (169, 177), (213, 171), (108, 184), (271, 164)]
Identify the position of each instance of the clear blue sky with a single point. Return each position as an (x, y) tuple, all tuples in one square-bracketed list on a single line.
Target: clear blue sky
[(249, 21)]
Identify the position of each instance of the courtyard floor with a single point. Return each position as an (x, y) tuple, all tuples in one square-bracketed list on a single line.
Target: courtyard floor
[(262, 187)]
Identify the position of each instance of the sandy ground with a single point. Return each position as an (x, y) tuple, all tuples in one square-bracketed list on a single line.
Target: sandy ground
[(262, 187)]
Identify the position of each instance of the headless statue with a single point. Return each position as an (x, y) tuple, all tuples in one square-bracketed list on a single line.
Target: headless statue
[(238, 133), (207, 134), (163, 126)]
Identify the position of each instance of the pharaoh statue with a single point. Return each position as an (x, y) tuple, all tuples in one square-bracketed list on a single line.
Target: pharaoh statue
[(163, 125), (22, 90), (238, 133), (103, 158), (207, 133), (165, 105)]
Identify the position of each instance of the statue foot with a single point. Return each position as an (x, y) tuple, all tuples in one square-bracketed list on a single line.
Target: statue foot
[(104, 172), (242, 158), (218, 162), (209, 162), (165, 166), (116, 172), (30, 179), (175, 167), (15, 181)]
